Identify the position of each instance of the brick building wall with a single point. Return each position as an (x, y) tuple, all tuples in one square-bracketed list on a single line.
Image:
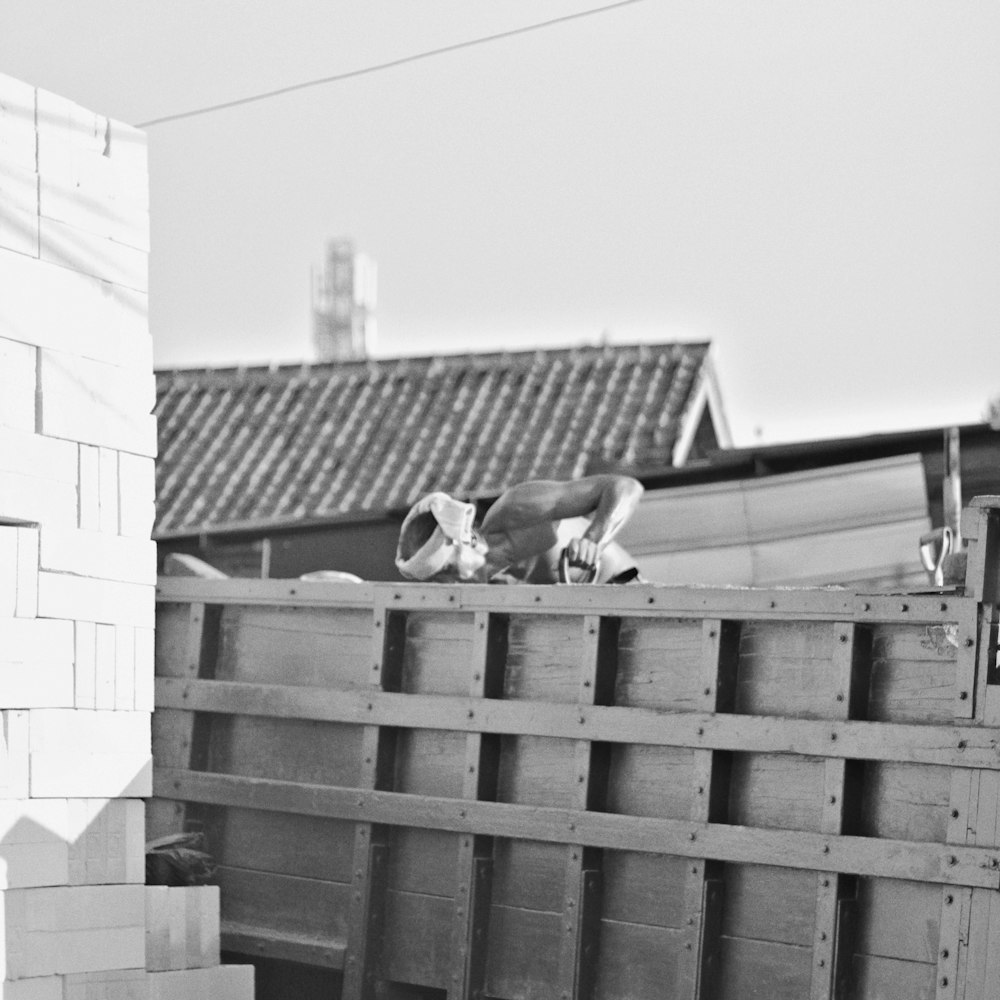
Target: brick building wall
[(78, 574)]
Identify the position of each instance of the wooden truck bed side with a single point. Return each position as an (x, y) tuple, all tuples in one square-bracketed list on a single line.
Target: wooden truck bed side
[(596, 792)]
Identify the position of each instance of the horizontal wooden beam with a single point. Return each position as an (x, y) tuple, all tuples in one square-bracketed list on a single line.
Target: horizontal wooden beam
[(269, 943), (954, 746), (923, 862), (648, 600)]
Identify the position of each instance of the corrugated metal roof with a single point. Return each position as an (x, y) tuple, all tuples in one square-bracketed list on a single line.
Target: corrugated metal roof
[(259, 446)]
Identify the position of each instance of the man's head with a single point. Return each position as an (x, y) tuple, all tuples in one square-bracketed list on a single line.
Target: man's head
[(438, 543)]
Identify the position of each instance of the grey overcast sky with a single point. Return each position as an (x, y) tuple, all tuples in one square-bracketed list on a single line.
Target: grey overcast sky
[(814, 187)]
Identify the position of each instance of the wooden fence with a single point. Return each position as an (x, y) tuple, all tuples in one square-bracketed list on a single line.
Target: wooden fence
[(599, 792)]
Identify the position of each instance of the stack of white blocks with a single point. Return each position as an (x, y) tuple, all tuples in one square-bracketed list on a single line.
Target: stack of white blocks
[(78, 574)]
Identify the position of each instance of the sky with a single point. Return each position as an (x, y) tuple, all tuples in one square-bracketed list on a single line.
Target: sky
[(812, 187)]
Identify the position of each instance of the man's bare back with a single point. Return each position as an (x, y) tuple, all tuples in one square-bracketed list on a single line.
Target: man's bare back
[(526, 532)]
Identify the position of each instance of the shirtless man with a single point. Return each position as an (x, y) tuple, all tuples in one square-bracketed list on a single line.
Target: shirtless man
[(523, 535)]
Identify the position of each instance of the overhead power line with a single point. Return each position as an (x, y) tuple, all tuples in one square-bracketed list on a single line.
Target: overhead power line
[(386, 65)]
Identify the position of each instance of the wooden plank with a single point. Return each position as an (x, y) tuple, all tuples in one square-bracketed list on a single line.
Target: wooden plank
[(981, 530), (415, 943), (945, 745), (182, 739), (773, 790), (317, 647), (306, 908), (968, 949), (907, 801), (286, 844), (524, 949), (832, 604), (644, 889), (376, 770), (246, 591), (659, 663), (899, 919), (436, 653), (474, 863), (947, 864), (969, 637), (851, 674), (708, 797), (265, 942), (875, 976), (637, 962), (769, 903), (596, 671), (746, 964)]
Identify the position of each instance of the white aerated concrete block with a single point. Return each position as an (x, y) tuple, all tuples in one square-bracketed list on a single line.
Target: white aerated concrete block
[(90, 488), (17, 376), (98, 554), (35, 640), (80, 754), (74, 929), (93, 254), (137, 493), (106, 840), (34, 842), (61, 841), (108, 460), (96, 403), (85, 665), (125, 984), (38, 477), (8, 571), (92, 192), (36, 663), (124, 667), (39, 988), (60, 309), (14, 754), (18, 571), (104, 692), (17, 123), (19, 220), (182, 927), (62, 119), (108, 601), (224, 982)]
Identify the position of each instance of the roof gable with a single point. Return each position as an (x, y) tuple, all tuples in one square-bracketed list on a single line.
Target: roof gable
[(305, 443)]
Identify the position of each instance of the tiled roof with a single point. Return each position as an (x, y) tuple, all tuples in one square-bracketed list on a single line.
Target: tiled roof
[(305, 443)]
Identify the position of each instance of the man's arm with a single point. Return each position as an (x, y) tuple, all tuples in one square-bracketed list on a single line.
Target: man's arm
[(607, 501)]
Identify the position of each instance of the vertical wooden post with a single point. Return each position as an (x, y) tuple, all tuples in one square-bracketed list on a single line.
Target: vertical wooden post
[(852, 648), (704, 887), (182, 738), (981, 529), (368, 882), (479, 782), (582, 906), (968, 963)]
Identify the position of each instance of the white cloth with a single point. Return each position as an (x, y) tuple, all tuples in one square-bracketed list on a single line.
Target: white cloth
[(454, 524)]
